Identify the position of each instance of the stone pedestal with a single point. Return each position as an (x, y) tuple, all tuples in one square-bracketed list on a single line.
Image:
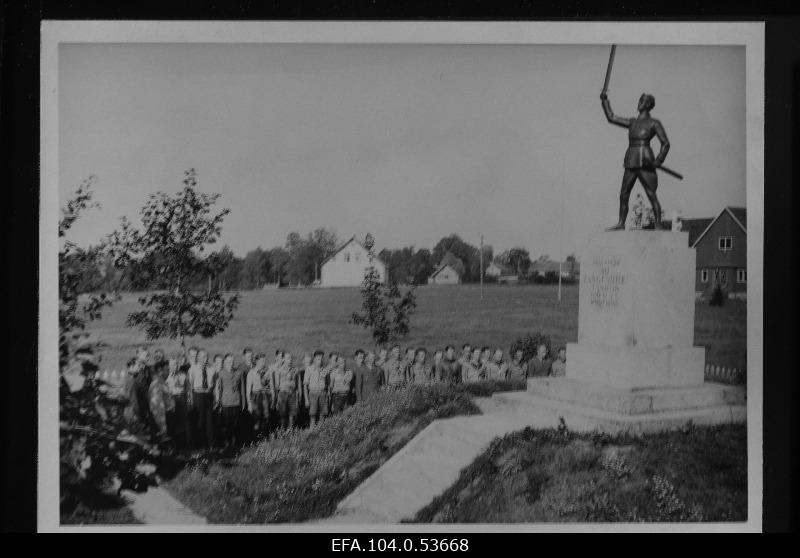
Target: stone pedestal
[(636, 312)]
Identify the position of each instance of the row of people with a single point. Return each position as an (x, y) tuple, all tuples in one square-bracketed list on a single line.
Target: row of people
[(192, 396)]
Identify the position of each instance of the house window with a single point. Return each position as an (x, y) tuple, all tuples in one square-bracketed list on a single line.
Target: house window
[(704, 276), (741, 276), (725, 243), (358, 256), (720, 276), (347, 256)]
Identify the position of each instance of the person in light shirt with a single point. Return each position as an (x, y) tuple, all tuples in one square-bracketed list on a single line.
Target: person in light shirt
[(315, 385), (341, 384), (258, 394), (559, 366), (420, 371), (287, 393), (393, 369), (473, 370), (496, 368)]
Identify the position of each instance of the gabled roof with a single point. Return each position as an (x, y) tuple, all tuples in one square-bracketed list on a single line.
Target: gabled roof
[(352, 240), (441, 267), (695, 227), (740, 215), (732, 211)]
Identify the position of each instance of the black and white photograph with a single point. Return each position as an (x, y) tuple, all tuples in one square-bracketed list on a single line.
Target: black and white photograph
[(376, 276)]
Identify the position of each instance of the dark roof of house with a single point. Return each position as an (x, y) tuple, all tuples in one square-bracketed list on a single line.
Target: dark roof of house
[(695, 227), (739, 215)]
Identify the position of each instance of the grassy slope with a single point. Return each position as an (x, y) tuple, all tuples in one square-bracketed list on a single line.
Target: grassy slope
[(304, 474), (303, 320), (699, 474)]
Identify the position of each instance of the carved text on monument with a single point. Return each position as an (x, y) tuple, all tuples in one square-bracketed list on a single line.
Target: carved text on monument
[(605, 282)]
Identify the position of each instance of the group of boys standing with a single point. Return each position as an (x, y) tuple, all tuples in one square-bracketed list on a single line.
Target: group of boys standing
[(194, 399)]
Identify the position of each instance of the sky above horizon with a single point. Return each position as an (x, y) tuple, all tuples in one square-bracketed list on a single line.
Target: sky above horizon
[(408, 142)]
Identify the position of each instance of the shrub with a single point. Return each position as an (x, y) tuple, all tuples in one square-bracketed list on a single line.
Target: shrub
[(529, 344)]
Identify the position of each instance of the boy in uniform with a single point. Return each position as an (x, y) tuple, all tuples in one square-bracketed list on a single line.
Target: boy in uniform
[(258, 394), (315, 386), (341, 383), (201, 381), (559, 366), (286, 382), (419, 371), (393, 369), (473, 370), (540, 364), (229, 399), (517, 369)]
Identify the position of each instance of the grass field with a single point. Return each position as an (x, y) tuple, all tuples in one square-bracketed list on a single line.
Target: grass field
[(304, 320)]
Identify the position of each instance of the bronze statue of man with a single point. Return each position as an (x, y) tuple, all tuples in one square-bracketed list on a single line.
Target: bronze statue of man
[(639, 160)]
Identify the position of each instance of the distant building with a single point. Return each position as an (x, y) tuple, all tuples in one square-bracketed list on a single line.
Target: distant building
[(347, 266), (721, 252), (542, 268), (445, 274), (502, 273)]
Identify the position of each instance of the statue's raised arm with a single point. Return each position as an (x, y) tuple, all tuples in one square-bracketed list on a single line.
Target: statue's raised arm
[(610, 116)]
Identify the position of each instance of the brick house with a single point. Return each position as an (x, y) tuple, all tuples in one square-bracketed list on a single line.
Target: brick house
[(721, 250)]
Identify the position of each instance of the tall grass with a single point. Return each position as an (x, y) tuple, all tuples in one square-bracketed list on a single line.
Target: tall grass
[(554, 475)]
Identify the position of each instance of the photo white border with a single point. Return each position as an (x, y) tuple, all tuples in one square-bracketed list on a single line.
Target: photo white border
[(747, 34)]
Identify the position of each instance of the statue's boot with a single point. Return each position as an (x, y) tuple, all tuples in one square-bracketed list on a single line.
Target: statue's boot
[(617, 227)]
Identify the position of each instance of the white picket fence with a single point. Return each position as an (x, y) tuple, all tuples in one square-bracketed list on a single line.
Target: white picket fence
[(725, 374)]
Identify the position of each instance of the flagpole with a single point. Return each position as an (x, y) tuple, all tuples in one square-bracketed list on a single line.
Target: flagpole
[(481, 267), (561, 235)]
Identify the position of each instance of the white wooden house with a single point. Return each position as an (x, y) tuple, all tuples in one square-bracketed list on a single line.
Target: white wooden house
[(347, 266)]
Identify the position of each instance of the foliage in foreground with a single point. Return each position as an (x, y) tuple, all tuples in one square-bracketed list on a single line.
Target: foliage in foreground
[(303, 474), (554, 475), (96, 446)]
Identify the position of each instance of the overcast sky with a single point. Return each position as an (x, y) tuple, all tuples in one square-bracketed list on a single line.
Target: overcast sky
[(408, 142)]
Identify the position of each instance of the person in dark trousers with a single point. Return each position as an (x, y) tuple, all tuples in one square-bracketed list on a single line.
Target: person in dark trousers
[(246, 420), (229, 400), (201, 381)]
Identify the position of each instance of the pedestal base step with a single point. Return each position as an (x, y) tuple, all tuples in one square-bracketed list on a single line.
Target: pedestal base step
[(588, 407)]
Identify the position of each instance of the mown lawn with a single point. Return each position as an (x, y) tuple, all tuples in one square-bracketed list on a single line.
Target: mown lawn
[(304, 320), (699, 474), (303, 474)]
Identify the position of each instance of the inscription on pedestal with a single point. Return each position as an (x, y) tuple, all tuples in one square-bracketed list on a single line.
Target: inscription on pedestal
[(605, 281)]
